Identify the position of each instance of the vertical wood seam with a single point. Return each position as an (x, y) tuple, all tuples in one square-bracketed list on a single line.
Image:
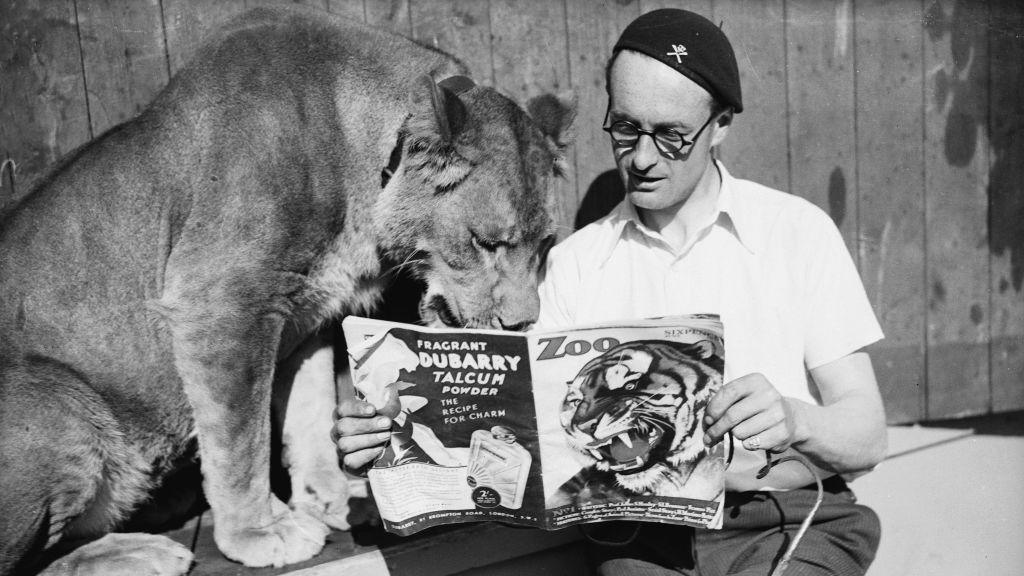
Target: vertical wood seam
[(7, 173), (989, 160), (81, 61), (578, 193), (411, 31), (785, 83), (167, 47), (490, 42), (858, 233), (926, 309)]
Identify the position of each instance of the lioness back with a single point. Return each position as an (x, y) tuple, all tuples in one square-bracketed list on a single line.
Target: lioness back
[(159, 279), (256, 111)]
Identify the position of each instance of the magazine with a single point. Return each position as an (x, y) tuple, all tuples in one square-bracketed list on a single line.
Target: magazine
[(546, 428)]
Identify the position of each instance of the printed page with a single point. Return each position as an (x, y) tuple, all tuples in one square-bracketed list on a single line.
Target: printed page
[(464, 447), (619, 413)]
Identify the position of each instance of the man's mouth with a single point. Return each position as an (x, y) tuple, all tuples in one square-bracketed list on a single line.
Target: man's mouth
[(641, 182)]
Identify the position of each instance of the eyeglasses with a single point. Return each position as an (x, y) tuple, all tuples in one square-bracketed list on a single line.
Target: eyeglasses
[(667, 140)]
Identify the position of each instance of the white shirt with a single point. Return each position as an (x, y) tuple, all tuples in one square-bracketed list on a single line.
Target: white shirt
[(772, 265)]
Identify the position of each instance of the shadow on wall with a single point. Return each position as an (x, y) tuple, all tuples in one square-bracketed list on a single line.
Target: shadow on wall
[(1002, 120), (603, 194)]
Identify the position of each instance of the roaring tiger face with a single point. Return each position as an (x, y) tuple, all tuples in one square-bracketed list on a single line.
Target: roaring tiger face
[(635, 411)]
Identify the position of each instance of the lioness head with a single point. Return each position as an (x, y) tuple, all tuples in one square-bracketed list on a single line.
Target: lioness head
[(468, 207)]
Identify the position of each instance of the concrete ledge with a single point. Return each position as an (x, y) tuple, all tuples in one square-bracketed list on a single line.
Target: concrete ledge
[(950, 503), (464, 548)]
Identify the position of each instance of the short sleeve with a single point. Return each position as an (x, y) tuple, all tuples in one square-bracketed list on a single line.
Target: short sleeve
[(838, 318), (557, 289)]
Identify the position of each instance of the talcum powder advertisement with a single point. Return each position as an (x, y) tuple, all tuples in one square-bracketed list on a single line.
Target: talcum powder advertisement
[(547, 428)]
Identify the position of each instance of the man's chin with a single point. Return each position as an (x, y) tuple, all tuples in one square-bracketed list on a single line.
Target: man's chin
[(645, 199)]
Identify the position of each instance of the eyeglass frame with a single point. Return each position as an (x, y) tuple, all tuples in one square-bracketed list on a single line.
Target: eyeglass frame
[(683, 147)]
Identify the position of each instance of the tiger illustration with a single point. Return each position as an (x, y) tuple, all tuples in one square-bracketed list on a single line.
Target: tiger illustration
[(635, 412)]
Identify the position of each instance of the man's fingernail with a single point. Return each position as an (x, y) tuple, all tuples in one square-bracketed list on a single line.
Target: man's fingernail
[(383, 435), (367, 409), (708, 420), (707, 440), (382, 422)]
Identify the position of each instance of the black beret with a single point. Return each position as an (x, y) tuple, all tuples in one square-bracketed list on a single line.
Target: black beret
[(690, 44)]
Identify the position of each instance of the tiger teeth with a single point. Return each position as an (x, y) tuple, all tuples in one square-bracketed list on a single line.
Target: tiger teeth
[(625, 439), (596, 454)]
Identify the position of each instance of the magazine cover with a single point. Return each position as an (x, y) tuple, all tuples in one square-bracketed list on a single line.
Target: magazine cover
[(619, 416), (464, 446), (544, 429)]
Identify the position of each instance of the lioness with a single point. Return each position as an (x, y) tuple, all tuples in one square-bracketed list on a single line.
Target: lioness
[(151, 283)]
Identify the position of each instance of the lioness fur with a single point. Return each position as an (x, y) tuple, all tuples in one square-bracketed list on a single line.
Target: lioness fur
[(152, 282)]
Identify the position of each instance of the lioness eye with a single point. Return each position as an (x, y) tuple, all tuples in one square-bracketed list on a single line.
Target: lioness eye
[(485, 244)]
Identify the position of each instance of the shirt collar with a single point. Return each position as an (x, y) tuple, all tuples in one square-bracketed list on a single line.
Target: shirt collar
[(732, 215)]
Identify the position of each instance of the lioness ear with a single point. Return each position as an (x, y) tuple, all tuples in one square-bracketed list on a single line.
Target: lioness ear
[(449, 111), (554, 115), (430, 132)]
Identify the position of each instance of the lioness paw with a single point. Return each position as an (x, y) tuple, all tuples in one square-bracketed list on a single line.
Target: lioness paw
[(323, 492), (125, 555), (294, 536)]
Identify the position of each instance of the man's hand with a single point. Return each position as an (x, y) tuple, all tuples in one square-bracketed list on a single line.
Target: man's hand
[(754, 411), (361, 431)]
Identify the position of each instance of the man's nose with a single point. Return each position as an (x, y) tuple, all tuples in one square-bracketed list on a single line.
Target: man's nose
[(645, 153)]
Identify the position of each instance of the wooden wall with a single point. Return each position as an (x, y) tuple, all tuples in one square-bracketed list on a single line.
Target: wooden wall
[(902, 118)]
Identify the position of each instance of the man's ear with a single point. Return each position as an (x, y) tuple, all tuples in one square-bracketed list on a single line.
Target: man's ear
[(721, 128), (554, 115)]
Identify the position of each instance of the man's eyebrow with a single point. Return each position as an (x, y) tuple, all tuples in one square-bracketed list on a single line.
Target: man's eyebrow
[(677, 125)]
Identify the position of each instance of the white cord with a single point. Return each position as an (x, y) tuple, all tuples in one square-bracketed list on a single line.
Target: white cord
[(784, 562)]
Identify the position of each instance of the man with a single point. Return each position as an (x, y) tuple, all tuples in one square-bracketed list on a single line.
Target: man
[(690, 238)]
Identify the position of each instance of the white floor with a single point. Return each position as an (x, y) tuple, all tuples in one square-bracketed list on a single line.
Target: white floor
[(951, 503)]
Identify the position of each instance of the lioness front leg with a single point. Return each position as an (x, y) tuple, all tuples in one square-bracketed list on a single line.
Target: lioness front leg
[(225, 355), (304, 395)]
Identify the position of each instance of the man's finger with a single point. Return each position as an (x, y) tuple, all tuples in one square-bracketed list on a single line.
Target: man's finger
[(759, 423), (356, 462), (349, 426), (775, 439), (353, 407), (743, 409), (728, 395)]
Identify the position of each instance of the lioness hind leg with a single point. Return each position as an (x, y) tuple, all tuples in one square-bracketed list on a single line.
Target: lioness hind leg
[(124, 555), (318, 484), (66, 469)]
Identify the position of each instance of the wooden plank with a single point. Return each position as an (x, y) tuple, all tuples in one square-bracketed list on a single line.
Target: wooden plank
[(123, 57), (757, 147), (890, 178), (594, 26), (43, 108), (819, 53), (1006, 203), (461, 28), (315, 4), (188, 22), (530, 59), (702, 7), (391, 15), (354, 9), (956, 207)]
